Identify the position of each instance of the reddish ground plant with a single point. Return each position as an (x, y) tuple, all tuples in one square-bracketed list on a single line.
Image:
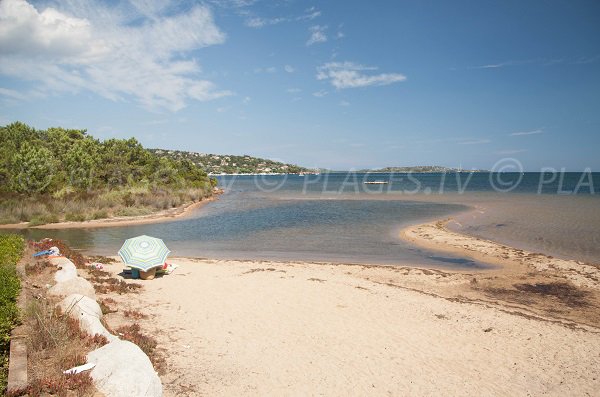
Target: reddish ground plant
[(76, 257), (37, 267), (147, 343), (135, 314)]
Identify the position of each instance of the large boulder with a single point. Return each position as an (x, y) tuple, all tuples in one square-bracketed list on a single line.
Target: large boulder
[(77, 285), (123, 370), (59, 260), (88, 312), (66, 271)]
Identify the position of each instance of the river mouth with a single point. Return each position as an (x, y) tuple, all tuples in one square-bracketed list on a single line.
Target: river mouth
[(282, 218)]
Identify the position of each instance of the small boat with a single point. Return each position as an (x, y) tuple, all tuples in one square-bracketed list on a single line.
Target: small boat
[(376, 183)]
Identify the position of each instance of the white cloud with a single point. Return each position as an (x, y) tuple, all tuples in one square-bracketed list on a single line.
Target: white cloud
[(293, 90), (509, 152), (12, 94), (289, 68), (534, 132), (233, 3), (270, 69), (317, 35), (493, 65), (309, 14), (246, 100), (351, 75), (258, 22), (475, 142), (344, 103), (340, 35), (320, 93), (81, 45)]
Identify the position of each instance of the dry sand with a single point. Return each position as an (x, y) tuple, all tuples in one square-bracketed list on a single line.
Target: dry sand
[(272, 328)]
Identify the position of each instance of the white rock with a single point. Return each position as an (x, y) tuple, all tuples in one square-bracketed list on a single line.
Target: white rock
[(88, 312), (67, 271), (58, 261), (77, 285), (123, 369)]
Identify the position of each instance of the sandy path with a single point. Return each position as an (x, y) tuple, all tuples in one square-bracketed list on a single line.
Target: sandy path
[(311, 329)]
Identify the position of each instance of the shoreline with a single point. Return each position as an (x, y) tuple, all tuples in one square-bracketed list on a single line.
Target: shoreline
[(157, 217), (510, 260), (268, 327)]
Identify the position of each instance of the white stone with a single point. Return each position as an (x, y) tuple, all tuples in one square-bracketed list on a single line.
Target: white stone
[(88, 312), (123, 370), (67, 271), (77, 285)]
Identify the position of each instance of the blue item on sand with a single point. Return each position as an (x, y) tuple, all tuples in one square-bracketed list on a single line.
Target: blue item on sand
[(47, 252)]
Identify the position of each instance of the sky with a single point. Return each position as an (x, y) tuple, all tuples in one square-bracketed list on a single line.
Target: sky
[(335, 84)]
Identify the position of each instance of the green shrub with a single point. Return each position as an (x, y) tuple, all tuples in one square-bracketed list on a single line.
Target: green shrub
[(11, 250), (133, 211), (100, 214), (74, 217), (43, 219)]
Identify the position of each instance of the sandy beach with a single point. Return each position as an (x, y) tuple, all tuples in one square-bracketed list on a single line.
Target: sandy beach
[(297, 328)]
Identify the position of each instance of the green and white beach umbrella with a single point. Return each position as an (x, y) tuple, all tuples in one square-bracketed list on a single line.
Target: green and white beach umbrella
[(144, 252)]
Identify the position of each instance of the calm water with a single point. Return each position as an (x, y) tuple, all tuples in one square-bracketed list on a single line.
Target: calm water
[(336, 217)]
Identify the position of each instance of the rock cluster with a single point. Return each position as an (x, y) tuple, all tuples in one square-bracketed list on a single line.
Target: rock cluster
[(121, 367)]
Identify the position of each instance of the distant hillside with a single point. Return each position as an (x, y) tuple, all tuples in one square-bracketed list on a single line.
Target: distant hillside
[(231, 164), (421, 169)]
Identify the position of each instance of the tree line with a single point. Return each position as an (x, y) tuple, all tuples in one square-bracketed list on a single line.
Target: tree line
[(35, 162)]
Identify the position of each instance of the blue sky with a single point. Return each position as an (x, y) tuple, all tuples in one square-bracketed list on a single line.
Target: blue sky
[(341, 85)]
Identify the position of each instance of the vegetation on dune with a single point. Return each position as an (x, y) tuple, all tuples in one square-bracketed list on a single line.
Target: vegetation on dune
[(231, 164), (60, 174), (11, 249)]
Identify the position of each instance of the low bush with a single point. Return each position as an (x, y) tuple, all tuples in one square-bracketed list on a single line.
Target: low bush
[(74, 217), (43, 219), (11, 250), (133, 211), (100, 214)]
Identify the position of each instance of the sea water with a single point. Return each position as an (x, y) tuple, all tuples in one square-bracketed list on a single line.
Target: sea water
[(337, 217)]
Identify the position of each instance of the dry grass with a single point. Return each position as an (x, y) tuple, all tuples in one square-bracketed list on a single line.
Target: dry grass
[(56, 343), (66, 205)]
